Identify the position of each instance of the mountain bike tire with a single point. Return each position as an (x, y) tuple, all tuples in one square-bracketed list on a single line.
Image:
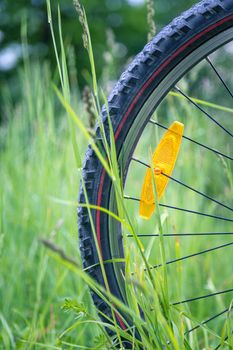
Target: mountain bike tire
[(148, 79)]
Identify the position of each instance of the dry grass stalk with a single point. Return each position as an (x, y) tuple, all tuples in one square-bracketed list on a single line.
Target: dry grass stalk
[(150, 18)]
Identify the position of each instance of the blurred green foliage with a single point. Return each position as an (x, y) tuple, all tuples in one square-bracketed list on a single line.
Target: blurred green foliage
[(118, 29)]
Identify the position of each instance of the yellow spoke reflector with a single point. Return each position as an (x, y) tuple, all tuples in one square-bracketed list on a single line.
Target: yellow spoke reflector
[(163, 161)]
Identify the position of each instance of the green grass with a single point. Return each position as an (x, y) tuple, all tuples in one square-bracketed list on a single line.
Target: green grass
[(44, 294), (38, 166)]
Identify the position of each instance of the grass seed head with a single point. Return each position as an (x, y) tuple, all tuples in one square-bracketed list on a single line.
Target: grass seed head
[(150, 19), (82, 20), (88, 105)]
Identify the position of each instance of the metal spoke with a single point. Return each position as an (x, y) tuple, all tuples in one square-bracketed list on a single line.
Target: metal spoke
[(203, 297), (132, 198), (196, 212), (192, 255), (140, 162), (208, 320), (203, 111), (195, 142), (196, 191), (185, 210), (187, 186), (219, 75), (204, 234)]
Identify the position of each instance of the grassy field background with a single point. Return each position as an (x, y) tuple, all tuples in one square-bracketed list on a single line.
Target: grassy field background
[(37, 170), (41, 295)]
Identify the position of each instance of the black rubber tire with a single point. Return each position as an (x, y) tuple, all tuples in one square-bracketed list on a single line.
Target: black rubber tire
[(204, 15)]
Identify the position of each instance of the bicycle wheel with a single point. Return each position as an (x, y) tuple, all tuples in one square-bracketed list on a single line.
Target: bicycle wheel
[(180, 50)]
